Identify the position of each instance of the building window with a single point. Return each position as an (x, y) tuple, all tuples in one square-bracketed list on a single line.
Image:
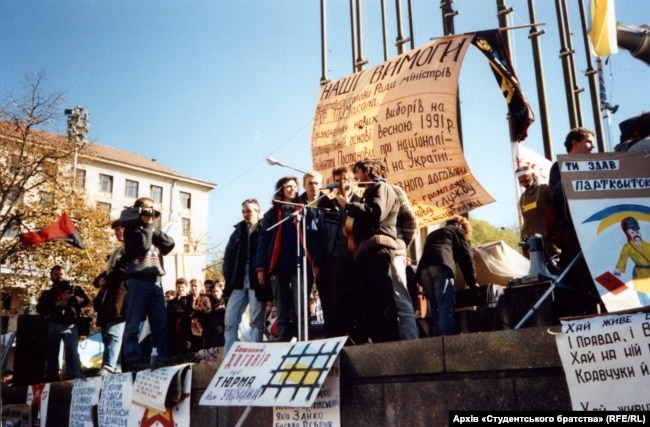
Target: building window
[(105, 183), (186, 227), (186, 200), (81, 178), (156, 194), (131, 189), (106, 207)]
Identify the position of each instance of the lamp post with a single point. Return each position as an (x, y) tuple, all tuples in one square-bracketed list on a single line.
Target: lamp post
[(78, 125), (274, 162)]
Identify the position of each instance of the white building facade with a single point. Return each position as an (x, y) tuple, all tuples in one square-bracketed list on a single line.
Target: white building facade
[(115, 178)]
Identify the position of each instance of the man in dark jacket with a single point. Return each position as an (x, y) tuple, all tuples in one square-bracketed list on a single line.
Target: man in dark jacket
[(443, 248), (375, 234), (339, 275), (144, 299), (242, 288), (61, 305)]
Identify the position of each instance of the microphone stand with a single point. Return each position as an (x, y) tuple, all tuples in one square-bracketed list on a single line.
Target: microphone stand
[(301, 261), (301, 267)]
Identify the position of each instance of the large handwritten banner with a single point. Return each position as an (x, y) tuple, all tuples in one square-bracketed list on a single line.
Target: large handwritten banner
[(609, 200), (405, 112), (606, 361)]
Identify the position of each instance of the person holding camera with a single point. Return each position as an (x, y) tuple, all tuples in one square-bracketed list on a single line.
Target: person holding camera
[(144, 247), (61, 305)]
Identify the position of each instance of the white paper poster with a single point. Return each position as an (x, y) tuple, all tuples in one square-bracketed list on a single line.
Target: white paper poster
[(115, 400), (273, 374), (37, 398), (85, 397), (161, 397), (326, 410), (606, 361)]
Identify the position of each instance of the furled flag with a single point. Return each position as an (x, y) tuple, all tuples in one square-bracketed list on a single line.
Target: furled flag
[(60, 230), (603, 28), (521, 115)]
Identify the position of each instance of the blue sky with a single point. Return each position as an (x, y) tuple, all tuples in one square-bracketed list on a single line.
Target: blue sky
[(213, 88)]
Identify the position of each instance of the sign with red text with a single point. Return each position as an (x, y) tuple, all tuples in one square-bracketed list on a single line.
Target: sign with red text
[(405, 112), (38, 395), (272, 374)]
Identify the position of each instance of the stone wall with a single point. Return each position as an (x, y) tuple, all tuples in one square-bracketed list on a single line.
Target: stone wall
[(412, 383)]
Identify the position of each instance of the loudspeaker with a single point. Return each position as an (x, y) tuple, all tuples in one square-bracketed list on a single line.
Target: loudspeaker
[(29, 355)]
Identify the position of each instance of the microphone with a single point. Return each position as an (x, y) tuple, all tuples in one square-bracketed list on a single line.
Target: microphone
[(333, 186)]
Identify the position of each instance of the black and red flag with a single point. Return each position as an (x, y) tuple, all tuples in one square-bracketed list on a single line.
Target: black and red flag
[(61, 230)]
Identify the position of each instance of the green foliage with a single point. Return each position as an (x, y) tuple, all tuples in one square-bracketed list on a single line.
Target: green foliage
[(483, 232)]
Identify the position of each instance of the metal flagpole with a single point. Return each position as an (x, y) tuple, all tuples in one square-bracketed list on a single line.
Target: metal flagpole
[(533, 35)]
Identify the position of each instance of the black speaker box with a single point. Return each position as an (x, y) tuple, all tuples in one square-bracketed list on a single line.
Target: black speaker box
[(517, 301), (29, 355)]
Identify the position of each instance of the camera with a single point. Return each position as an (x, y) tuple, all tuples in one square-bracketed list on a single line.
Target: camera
[(130, 216)]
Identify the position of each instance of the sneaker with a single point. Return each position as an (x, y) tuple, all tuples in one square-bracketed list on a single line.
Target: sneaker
[(103, 372)]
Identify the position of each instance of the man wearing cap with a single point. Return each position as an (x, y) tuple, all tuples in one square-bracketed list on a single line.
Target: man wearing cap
[(638, 251), (144, 247), (109, 305)]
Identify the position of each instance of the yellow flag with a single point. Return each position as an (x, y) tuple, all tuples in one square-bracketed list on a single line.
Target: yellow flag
[(603, 28)]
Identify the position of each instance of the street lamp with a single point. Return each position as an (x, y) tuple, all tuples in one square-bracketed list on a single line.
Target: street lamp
[(274, 162), (78, 125)]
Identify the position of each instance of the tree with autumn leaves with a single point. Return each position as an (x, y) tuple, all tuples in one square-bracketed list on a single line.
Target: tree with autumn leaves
[(36, 189)]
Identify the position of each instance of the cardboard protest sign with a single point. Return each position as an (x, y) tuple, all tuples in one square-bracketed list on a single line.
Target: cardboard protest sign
[(609, 199), (115, 400), (272, 374), (85, 397), (326, 409), (405, 112), (161, 397), (606, 361)]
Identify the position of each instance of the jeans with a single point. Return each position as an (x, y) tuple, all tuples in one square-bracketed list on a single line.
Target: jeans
[(57, 332), (143, 300), (239, 299), (408, 329), (438, 283), (112, 339)]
